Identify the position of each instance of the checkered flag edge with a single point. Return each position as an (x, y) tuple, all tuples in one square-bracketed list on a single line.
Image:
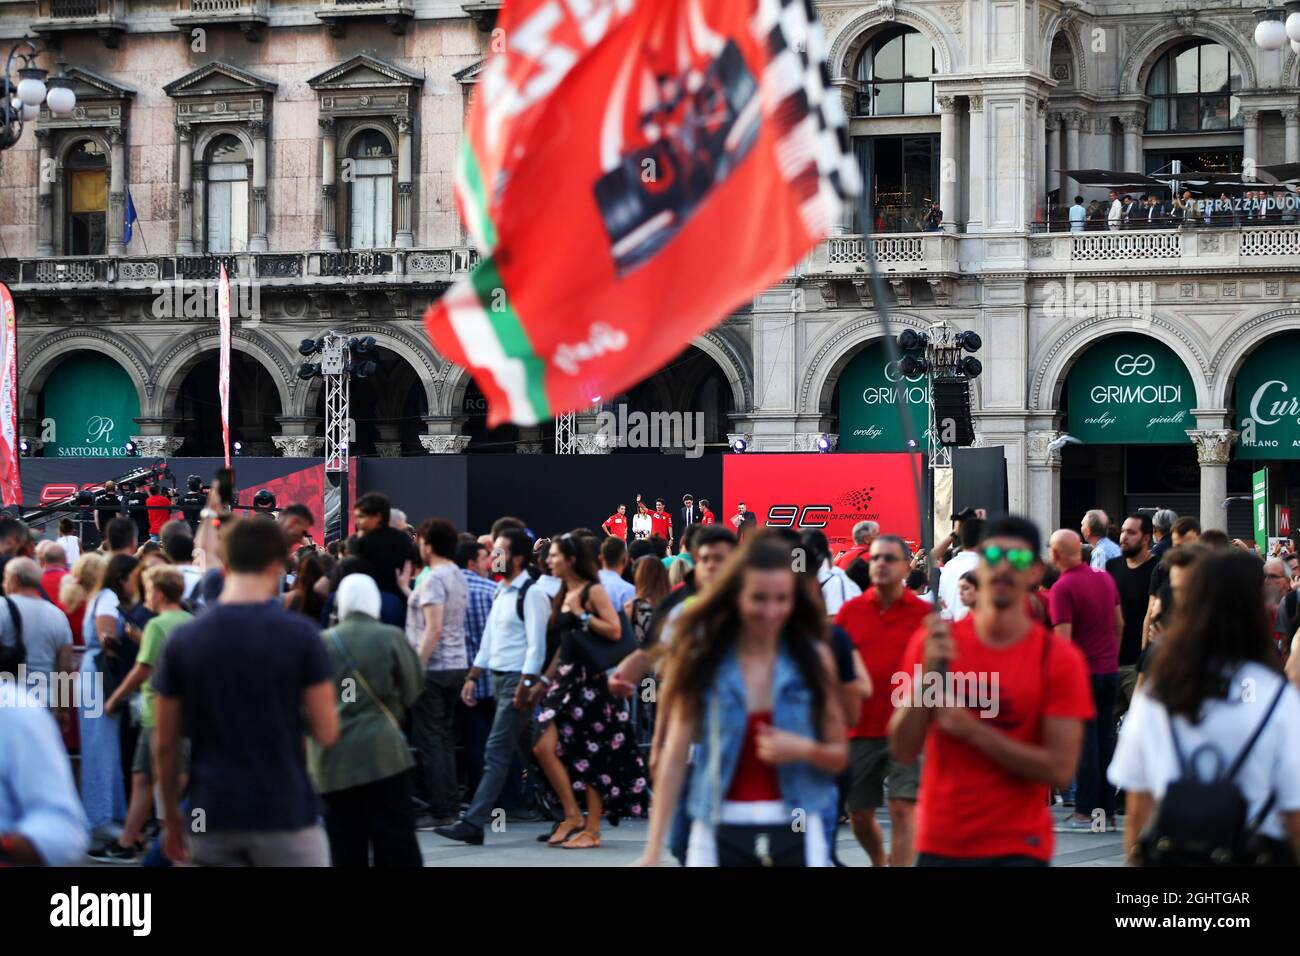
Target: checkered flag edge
[(813, 143)]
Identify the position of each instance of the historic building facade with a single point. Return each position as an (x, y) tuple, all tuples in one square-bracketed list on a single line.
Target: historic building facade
[(309, 146)]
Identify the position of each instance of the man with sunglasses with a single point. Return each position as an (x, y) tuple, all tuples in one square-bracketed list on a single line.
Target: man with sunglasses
[(1086, 611), (881, 622), (994, 764)]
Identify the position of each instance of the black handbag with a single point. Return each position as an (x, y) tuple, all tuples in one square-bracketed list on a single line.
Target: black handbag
[(12, 655), (760, 845), (600, 653)]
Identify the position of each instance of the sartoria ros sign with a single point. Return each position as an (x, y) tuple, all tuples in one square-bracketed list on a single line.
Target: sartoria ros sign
[(1130, 389), (869, 391), (90, 407), (1267, 398)]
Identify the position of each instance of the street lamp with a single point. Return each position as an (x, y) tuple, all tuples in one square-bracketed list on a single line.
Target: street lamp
[(21, 100), (1270, 32)]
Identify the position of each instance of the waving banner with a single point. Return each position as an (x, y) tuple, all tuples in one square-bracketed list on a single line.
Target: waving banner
[(11, 488), (632, 172)]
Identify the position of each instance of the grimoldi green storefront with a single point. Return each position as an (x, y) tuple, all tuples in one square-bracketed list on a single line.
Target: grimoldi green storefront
[(88, 406), (1129, 400), (868, 396)]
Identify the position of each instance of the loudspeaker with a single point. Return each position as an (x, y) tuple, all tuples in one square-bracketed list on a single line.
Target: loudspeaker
[(952, 415)]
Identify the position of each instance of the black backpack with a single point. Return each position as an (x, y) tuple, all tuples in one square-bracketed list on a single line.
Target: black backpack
[(1204, 824), (11, 655)]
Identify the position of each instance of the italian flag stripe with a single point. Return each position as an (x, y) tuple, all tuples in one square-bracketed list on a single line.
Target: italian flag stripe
[(473, 194), (493, 339)]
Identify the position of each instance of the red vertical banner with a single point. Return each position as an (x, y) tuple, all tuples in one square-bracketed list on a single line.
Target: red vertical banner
[(10, 483), (223, 377)]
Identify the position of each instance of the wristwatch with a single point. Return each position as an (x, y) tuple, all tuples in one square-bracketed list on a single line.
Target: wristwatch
[(528, 683)]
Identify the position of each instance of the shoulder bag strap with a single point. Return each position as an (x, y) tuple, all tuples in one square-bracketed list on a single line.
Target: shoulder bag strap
[(352, 665), (1254, 738), (18, 626), (715, 758)]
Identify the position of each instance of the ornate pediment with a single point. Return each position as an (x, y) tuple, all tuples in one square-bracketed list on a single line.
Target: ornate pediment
[(219, 79), (364, 72), (470, 74), (92, 86), (100, 102)]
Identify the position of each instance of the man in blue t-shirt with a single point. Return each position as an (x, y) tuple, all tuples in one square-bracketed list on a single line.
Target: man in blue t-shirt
[(248, 681)]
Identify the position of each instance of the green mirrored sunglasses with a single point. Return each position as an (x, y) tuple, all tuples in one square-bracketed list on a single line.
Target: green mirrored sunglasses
[(1019, 558)]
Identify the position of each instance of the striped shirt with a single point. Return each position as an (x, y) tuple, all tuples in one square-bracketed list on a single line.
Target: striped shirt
[(481, 593)]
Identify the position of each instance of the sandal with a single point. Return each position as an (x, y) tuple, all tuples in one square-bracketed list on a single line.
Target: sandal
[(561, 835), (583, 840)]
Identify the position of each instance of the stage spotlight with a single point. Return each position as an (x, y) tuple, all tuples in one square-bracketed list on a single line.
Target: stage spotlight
[(366, 369), (911, 366), (130, 449), (823, 444), (239, 446), (970, 341), (971, 366), (308, 347), (22, 447), (308, 371), (738, 445), (910, 340)]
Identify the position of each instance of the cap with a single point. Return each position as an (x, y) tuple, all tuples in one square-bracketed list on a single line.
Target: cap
[(964, 514)]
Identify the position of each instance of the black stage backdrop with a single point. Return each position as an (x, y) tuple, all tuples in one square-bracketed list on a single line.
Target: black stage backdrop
[(555, 493), (979, 479), (433, 486)]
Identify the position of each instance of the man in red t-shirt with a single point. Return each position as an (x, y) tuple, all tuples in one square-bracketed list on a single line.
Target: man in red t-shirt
[(990, 761), (1086, 611), (160, 509), (616, 524), (864, 532), (661, 523), (881, 622)]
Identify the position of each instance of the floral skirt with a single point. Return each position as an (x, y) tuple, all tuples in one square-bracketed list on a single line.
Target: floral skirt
[(595, 740)]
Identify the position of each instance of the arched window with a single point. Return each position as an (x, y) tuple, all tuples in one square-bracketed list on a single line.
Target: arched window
[(894, 72), (370, 203), (227, 195), (1192, 88), (85, 231)]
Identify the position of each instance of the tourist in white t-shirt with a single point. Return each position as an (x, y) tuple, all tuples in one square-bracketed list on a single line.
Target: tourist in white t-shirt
[(68, 540), (1217, 673)]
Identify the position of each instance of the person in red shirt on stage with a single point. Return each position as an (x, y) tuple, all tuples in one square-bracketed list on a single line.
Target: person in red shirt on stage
[(864, 532), (706, 516), (159, 509), (661, 523), (989, 762), (881, 622), (616, 524)]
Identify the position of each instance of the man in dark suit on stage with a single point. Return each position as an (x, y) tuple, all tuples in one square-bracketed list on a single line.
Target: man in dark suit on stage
[(689, 517)]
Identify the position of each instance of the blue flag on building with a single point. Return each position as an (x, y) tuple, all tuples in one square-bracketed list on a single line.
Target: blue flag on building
[(131, 217)]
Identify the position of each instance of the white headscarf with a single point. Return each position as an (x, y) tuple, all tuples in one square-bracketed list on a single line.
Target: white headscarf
[(358, 594)]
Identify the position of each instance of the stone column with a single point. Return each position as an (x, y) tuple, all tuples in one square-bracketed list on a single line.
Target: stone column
[(1102, 142), (1213, 449), (185, 188), (1292, 117), (116, 190), (1044, 480), (44, 195), (1051, 177), (1250, 144), (329, 238), (948, 164), (199, 208), (257, 240), (1073, 121), (978, 167), (1134, 124), (404, 238)]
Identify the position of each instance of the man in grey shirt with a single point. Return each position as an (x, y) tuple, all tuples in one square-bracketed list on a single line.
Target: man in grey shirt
[(45, 628)]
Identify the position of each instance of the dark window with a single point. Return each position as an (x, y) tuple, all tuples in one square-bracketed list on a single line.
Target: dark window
[(1193, 88), (85, 232), (894, 74), (902, 176)]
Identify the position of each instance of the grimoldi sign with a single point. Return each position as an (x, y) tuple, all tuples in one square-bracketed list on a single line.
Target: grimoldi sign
[(1130, 389), (1267, 398), (869, 392)]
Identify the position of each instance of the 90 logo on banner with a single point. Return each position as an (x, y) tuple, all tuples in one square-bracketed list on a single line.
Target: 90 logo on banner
[(794, 516)]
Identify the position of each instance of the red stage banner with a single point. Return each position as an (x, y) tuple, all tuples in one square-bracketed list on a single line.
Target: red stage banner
[(829, 492)]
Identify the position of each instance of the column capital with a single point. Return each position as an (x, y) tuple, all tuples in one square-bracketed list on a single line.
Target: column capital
[(976, 103), (599, 443), (1074, 119), (299, 446), (1101, 124), (1041, 448), (326, 123), (402, 122), (1133, 122), (42, 134), (115, 135), (1249, 118), (445, 444), (947, 104), (184, 132), (157, 446), (528, 448), (257, 128), (1291, 114), (1213, 445)]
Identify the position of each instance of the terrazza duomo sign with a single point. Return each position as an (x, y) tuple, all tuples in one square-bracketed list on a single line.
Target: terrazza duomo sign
[(1130, 389)]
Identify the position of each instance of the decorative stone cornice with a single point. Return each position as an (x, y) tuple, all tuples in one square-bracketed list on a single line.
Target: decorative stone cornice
[(157, 446), (1213, 445)]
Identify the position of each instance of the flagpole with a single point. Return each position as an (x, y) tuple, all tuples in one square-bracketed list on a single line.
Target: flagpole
[(223, 377)]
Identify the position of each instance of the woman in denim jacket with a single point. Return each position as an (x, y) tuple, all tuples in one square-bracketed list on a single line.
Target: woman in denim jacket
[(750, 677)]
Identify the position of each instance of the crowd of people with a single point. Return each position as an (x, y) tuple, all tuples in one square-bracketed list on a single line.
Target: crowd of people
[(1183, 210), (743, 687)]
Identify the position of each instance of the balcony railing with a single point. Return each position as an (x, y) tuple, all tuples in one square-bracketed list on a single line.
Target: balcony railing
[(60, 17), (912, 252), (1193, 249), (1124, 245), (65, 9), (387, 267)]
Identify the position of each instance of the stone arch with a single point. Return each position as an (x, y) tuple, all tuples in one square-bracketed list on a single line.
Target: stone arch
[(189, 350), (1143, 56), (855, 33), (427, 367), (205, 134), (1054, 362), (1240, 345), (838, 348), (734, 369), (45, 352), (1069, 29)]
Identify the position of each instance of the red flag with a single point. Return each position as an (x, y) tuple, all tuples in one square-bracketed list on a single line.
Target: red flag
[(633, 171), (11, 488), (223, 376)]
